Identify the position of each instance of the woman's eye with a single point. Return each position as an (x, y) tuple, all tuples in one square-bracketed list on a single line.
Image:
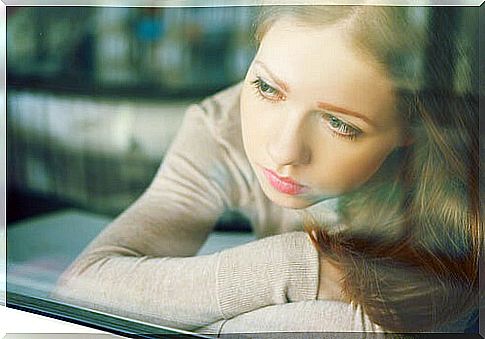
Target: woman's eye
[(266, 88), (341, 128), (266, 91)]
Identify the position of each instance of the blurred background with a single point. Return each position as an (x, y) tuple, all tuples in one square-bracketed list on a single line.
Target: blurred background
[(95, 96)]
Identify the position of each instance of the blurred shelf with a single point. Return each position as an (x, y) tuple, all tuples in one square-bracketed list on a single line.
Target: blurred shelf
[(76, 86)]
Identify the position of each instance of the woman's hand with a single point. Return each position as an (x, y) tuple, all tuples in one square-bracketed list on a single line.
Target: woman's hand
[(330, 281)]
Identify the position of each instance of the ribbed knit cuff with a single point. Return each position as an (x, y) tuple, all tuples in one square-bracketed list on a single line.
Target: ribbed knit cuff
[(270, 271)]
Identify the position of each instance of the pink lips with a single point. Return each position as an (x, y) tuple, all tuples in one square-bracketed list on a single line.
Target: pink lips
[(283, 185)]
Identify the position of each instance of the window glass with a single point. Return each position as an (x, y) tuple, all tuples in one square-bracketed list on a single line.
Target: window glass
[(205, 170)]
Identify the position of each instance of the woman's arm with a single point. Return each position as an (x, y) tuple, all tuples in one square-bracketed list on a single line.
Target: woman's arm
[(140, 266), (301, 317)]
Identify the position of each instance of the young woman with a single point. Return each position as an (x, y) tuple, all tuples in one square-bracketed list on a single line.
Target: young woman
[(339, 130)]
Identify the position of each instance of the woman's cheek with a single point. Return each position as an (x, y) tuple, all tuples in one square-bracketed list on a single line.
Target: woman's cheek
[(259, 133), (254, 133), (366, 164), (351, 165)]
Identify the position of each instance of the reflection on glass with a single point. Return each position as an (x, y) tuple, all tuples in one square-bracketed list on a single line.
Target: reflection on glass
[(348, 146)]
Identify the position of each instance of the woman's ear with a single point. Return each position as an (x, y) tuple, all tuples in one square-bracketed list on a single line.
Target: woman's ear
[(407, 138)]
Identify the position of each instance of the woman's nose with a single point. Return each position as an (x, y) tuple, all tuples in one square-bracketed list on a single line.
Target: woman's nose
[(288, 145)]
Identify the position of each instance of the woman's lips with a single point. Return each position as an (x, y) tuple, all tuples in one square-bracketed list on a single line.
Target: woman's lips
[(283, 185)]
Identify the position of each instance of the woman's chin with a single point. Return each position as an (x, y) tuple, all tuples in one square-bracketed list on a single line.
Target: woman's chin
[(287, 200)]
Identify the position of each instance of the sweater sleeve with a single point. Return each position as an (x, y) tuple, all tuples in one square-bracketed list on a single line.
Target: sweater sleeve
[(142, 266), (302, 317)]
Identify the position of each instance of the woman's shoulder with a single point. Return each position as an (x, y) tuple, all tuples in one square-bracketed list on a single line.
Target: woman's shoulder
[(223, 100), (222, 112), (218, 117), (222, 119)]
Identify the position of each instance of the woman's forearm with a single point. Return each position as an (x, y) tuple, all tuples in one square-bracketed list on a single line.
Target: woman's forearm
[(302, 317), (188, 293)]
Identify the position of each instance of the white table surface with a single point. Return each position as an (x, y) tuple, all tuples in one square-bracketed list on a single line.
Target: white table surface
[(40, 249)]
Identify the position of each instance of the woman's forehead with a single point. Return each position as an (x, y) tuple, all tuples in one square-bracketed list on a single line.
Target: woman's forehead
[(316, 49), (320, 64)]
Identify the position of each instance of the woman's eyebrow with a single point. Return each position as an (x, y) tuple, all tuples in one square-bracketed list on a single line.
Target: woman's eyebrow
[(278, 81), (320, 104), (342, 110)]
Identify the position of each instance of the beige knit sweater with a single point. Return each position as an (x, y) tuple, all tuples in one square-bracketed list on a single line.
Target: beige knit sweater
[(143, 265)]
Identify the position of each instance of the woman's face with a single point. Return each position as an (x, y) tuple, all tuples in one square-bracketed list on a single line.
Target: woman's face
[(318, 117)]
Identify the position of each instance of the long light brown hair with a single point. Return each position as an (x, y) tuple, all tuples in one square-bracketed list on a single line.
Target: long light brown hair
[(413, 239)]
